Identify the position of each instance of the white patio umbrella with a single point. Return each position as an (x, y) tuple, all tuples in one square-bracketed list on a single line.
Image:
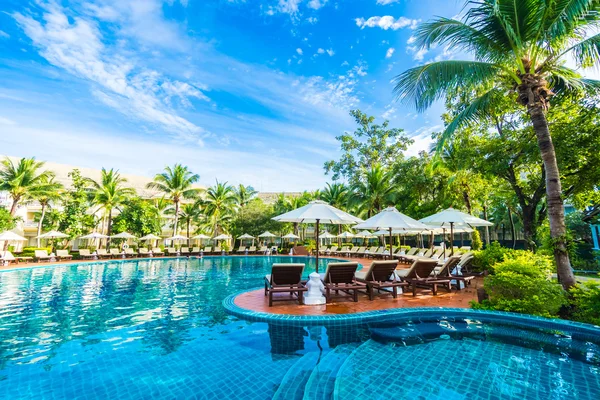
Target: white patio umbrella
[(9, 236), (246, 236), (222, 237), (453, 217), (150, 236), (291, 236), (177, 238), (267, 234), (123, 235), (346, 235), (391, 219), (201, 237), (95, 236), (317, 212), (53, 235)]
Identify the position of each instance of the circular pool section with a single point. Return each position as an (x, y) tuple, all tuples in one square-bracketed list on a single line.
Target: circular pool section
[(137, 329)]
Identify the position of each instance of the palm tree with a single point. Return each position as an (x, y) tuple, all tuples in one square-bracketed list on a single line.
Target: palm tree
[(373, 192), (50, 194), (190, 212), (519, 47), (219, 205), (335, 194), (176, 183), (244, 194), (109, 193), (23, 181)]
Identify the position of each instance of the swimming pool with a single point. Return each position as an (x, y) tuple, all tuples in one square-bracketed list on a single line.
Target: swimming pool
[(140, 329)]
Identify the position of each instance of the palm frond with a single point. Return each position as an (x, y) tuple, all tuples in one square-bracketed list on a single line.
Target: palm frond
[(563, 17), (586, 52), (430, 82)]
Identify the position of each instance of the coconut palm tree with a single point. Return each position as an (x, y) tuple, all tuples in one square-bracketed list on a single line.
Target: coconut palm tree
[(109, 193), (519, 47), (335, 194), (244, 194), (190, 212), (176, 183), (219, 205), (373, 192), (23, 181), (46, 197)]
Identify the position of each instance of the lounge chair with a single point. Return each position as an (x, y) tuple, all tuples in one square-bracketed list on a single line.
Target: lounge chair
[(207, 250), (41, 255), (352, 251), (115, 253), (263, 249), (370, 251), (342, 252), (285, 278), (171, 251), (447, 271), (339, 277), (157, 251), (84, 254), (102, 253), (241, 249), (331, 250), (195, 251), (63, 255), (143, 252), (217, 250), (380, 275), (184, 251), (360, 251), (130, 253), (252, 250), (420, 275), (7, 257)]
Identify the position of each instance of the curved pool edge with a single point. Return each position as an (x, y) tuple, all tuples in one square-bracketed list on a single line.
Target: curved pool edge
[(417, 312), (83, 263)]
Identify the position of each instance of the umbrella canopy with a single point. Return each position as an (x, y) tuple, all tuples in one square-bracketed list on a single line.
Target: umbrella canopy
[(53, 235), (222, 237), (291, 236), (317, 212), (177, 237), (9, 236), (94, 235), (267, 234), (391, 219), (201, 236), (364, 234), (151, 236), (346, 235), (246, 236), (451, 216), (326, 235), (124, 235)]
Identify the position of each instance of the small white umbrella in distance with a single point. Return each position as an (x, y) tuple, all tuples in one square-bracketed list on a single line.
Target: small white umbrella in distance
[(454, 217), (267, 234), (291, 236), (94, 235), (222, 237), (364, 234), (9, 236), (245, 236), (392, 219), (346, 235), (123, 235), (53, 235), (317, 212), (177, 237), (201, 236), (150, 236), (326, 235)]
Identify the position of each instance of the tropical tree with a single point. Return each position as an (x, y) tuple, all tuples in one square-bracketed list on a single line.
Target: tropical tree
[(190, 212), (519, 47), (23, 181), (50, 194), (219, 205), (244, 194), (335, 194), (373, 192), (109, 193), (177, 183)]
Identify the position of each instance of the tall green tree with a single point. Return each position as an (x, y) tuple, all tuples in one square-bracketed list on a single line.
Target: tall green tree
[(369, 145), (374, 191), (519, 47), (139, 217), (23, 180), (74, 218), (176, 183), (244, 194), (49, 195), (190, 213), (219, 205)]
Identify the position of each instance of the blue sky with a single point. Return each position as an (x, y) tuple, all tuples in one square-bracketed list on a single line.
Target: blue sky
[(251, 92)]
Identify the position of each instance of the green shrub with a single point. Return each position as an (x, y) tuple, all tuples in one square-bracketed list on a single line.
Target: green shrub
[(523, 284), (585, 300), (30, 251), (476, 243), (484, 260)]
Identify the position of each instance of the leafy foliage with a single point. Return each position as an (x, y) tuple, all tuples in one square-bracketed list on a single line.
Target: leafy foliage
[(74, 219), (585, 299), (7, 221), (476, 243), (138, 217)]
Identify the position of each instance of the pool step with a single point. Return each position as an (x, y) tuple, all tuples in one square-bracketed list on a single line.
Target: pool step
[(321, 383), (293, 383)]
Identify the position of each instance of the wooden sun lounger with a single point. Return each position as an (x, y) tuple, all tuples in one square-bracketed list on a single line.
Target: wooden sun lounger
[(101, 253), (130, 253), (63, 255), (241, 249), (171, 251), (195, 251), (380, 275), (143, 252), (7, 257), (285, 278), (252, 250), (115, 253), (84, 254), (339, 277), (184, 251), (41, 255), (156, 251), (420, 275)]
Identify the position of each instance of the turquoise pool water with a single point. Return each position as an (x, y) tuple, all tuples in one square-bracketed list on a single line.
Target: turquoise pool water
[(157, 329)]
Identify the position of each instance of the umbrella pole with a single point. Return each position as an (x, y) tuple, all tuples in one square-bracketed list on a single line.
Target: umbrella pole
[(451, 238), (390, 243), (444, 240), (317, 247)]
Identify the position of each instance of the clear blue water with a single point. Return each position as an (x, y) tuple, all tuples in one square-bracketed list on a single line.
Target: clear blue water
[(157, 329)]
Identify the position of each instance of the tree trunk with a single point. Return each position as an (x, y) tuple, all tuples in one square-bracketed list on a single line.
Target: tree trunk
[(556, 210), (512, 228), (176, 217), (13, 207), (487, 228), (40, 223), (467, 200), (188, 230), (108, 228)]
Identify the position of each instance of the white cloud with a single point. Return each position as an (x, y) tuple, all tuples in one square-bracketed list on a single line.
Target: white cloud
[(422, 140), (320, 51), (312, 20), (316, 4), (419, 54), (389, 112), (299, 51), (390, 52), (77, 47), (387, 2), (288, 6), (387, 22), (4, 35), (6, 121), (411, 40), (330, 52)]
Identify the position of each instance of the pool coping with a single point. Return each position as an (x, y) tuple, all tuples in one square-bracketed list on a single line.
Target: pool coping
[(403, 313)]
